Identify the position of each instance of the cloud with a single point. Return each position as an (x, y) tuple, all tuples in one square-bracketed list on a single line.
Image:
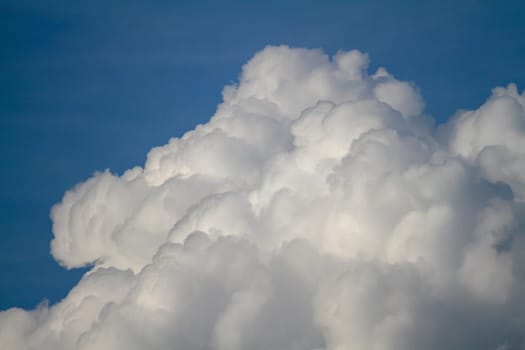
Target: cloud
[(319, 208)]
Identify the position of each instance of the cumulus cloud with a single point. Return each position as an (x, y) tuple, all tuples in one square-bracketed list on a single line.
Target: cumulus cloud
[(319, 208)]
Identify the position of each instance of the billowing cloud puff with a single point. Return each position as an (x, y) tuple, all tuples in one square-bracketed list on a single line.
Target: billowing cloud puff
[(493, 138), (319, 208)]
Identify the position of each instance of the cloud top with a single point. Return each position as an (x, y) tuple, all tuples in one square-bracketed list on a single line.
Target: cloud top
[(319, 208)]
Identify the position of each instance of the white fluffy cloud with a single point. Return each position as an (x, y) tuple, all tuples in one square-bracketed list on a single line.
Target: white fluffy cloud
[(319, 208)]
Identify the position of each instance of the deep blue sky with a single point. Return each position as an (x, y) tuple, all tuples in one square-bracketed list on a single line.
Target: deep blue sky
[(95, 84)]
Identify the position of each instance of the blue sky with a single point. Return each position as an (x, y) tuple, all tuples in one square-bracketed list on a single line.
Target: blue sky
[(87, 86)]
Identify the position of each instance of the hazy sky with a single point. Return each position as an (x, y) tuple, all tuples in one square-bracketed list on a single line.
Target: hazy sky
[(92, 85)]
